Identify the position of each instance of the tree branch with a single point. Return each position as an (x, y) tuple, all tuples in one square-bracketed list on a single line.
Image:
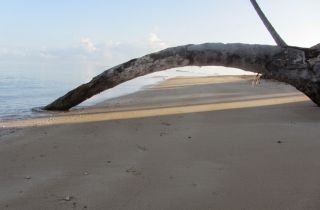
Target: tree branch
[(299, 67), (267, 23), (295, 66), (247, 57)]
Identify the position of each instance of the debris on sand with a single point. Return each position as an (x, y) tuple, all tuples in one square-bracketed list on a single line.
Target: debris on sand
[(133, 171), (68, 198), (142, 148)]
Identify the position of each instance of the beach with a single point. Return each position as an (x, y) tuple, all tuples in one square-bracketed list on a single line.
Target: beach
[(185, 143)]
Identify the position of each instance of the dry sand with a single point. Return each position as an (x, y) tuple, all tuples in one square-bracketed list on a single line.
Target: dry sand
[(187, 143)]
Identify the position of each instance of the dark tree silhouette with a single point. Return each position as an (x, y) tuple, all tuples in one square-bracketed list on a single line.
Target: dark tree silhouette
[(297, 66)]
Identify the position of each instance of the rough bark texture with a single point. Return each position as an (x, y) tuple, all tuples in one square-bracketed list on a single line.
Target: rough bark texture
[(299, 67)]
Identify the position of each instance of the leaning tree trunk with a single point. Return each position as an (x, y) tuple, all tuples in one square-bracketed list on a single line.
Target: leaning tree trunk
[(299, 67)]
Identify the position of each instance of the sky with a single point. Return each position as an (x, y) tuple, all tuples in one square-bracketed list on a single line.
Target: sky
[(91, 35)]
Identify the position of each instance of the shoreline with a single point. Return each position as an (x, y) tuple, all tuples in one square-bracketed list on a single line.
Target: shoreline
[(21, 109), (149, 82), (81, 114)]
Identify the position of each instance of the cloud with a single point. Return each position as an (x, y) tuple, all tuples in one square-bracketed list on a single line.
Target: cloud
[(155, 43), (88, 45), (4, 52), (83, 54)]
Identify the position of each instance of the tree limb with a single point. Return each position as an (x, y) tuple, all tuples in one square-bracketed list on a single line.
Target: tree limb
[(268, 25), (297, 66), (290, 65)]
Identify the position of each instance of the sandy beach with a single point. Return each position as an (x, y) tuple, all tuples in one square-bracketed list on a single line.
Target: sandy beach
[(186, 143)]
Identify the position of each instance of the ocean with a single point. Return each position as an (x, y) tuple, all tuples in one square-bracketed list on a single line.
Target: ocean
[(23, 91)]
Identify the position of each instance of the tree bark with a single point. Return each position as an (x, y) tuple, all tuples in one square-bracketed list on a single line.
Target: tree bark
[(299, 67)]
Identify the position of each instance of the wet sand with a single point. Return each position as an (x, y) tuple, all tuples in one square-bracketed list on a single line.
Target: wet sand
[(187, 143)]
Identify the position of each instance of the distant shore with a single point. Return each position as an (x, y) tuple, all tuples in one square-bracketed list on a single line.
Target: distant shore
[(186, 143)]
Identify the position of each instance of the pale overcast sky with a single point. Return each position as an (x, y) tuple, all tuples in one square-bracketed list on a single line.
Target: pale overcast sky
[(100, 33)]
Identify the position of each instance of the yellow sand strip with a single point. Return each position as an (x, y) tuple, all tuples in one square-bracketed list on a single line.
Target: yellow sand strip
[(191, 81), (83, 118)]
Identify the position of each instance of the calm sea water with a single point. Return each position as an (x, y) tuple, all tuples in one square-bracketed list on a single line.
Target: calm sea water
[(23, 90), (20, 91)]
